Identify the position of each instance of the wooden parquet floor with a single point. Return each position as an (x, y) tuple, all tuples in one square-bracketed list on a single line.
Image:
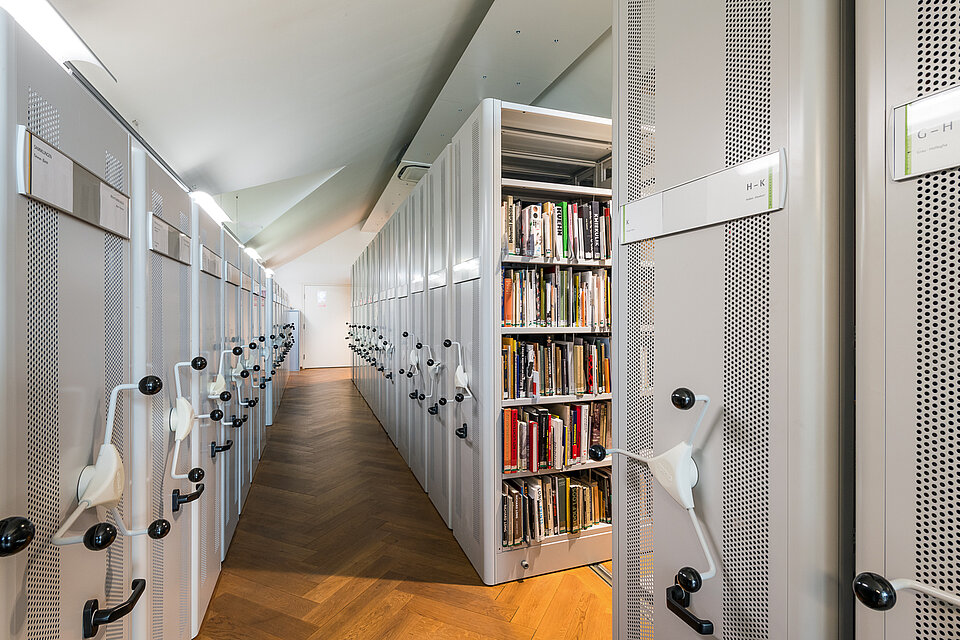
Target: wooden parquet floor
[(338, 540)]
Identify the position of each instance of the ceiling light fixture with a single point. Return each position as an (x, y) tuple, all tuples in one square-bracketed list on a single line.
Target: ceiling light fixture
[(250, 251), (44, 23), (206, 202)]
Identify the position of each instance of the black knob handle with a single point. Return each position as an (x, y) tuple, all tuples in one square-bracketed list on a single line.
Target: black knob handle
[(683, 398), (447, 343), (405, 334), (875, 591), (159, 528), (389, 376), (689, 579), (238, 351), (215, 449), (16, 533), (273, 372), (195, 475), (262, 338), (597, 452), (413, 395), (263, 385), (244, 374), (253, 345), (419, 345), (461, 432), (99, 536), (225, 396), (458, 397), (379, 337), (199, 363), (421, 397), (677, 601), (273, 336), (236, 422), (94, 616), (256, 367), (442, 401), (429, 362), (409, 374), (401, 371), (216, 415), (150, 385), (179, 499), (434, 410)]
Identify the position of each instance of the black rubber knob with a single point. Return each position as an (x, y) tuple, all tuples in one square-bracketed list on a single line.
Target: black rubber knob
[(253, 345), (458, 397), (429, 362), (412, 395), (273, 336), (256, 367), (401, 371), (409, 374), (421, 397), (225, 396), (158, 529), (597, 452), (875, 591), (244, 374), (273, 372), (419, 345), (683, 398), (236, 423), (442, 401), (379, 337), (15, 534), (216, 415), (263, 385), (434, 410), (244, 417), (447, 343), (199, 363), (262, 338), (149, 385), (195, 475), (405, 334), (689, 579), (238, 351), (99, 536)]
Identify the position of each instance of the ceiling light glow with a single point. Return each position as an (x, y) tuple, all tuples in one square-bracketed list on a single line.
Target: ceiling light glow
[(206, 202), (51, 31), (250, 251)]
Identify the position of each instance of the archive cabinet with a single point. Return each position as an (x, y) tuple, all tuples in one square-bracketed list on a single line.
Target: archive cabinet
[(428, 329), (113, 454), (728, 281)]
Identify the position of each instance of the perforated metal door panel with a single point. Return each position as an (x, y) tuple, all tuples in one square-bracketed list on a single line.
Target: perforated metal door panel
[(439, 431), (249, 428), (919, 388), (231, 462), (417, 409), (404, 384)]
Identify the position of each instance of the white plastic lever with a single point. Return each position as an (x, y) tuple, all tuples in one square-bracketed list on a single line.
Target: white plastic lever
[(460, 379)]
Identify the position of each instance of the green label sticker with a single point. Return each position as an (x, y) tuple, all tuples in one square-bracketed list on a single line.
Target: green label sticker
[(906, 142)]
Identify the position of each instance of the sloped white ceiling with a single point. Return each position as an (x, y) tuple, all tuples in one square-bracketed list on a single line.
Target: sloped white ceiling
[(240, 93)]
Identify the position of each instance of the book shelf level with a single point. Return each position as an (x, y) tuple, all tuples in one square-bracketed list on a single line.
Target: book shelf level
[(602, 464), (532, 187)]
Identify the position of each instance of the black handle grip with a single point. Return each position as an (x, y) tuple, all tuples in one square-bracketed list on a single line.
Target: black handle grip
[(442, 401), (238, 351), (150, 385), (421, 397), (225, 396), (434, 410), (419, 345), (597, 452), (874, 591), (412, 395), (458, 397), (199, 363), (447, 343), (405, 334), (683, 398), (677, 601), (461, 432), (94, 616), (215, 448), (430, 362), (16, 533), (179, 499)]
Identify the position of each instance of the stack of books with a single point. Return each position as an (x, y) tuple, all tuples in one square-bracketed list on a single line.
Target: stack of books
[(548, 367), (555, 437), (536, 508), (552, 296), (557, 230)]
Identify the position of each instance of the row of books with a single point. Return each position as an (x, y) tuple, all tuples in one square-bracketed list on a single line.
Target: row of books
[(537, 508), (558, 230), (553, 296), (548, 367), (536, 438)]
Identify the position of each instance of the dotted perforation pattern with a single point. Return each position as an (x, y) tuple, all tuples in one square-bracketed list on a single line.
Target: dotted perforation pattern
[(43, 118), (159, 429), (640, 280), (641, 98), (747, 69), (114, 316), (43, 422), (937, 439)]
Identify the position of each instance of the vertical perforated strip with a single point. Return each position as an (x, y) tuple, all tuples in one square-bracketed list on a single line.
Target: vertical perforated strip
[(937, 484), (43, 394), (638, 403), (640, 337), (476, 427), (159, 412), (43, 422), (746, 329), (114, 314)]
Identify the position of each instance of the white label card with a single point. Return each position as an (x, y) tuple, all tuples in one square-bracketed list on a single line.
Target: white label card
[(114, 210), (47, 174), (159, 236), (185, 248), (926, 135), (754, 187)]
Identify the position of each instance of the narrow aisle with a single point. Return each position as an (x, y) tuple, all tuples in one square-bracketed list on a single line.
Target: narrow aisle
[(337, 540)]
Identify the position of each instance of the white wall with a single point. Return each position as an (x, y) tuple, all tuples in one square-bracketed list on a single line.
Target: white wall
[(327, 264), (587, 84)]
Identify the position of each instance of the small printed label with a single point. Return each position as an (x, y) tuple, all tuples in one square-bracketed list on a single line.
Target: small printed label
[(49, 175), (209, 261), (159, 236), (114, 210), (926, 135), (185, 248)]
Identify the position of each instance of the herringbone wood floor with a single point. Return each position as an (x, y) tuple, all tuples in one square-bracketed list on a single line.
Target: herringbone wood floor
[(338, 540)]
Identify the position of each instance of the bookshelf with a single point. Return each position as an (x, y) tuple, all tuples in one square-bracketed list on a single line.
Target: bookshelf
[(443, 280)]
